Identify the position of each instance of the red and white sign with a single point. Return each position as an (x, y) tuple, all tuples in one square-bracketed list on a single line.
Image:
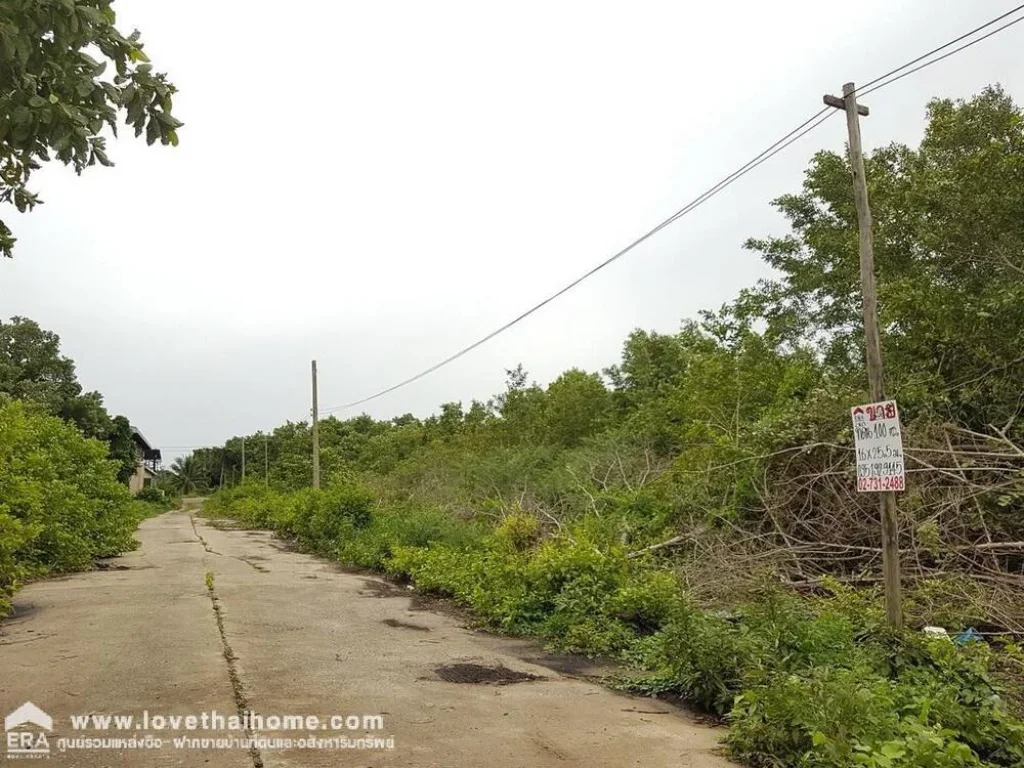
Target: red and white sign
[(879, 446)]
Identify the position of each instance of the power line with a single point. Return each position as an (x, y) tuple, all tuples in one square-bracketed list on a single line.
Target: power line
[(750, 165), (794, 135), (946, 55), (860, 92)]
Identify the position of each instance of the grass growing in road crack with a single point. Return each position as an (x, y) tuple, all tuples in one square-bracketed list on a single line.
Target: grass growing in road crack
[(237, 688)]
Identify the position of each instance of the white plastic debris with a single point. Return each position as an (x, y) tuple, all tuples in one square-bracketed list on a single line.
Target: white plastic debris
[(936, 632)]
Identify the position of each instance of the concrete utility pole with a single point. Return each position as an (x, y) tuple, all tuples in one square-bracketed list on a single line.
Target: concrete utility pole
[(266, 464), (872, 341), (316, 435), (243, 459)]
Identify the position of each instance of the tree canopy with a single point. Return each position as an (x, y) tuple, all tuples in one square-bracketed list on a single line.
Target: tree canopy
[(55, 102), (949, 251), (33, 369)]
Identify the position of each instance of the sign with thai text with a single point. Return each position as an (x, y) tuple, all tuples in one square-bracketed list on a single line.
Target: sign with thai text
[(879, 447)]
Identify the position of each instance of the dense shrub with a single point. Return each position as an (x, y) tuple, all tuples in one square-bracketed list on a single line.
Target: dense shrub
[(61, 505), (153, 501), (802, 682), (154, 495), (941, 711), (319, 518)]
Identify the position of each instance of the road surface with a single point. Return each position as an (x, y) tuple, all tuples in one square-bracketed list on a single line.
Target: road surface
[(204, 622)]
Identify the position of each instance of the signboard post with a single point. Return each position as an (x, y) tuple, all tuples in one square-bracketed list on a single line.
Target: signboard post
[(873, 353), (879, 446)]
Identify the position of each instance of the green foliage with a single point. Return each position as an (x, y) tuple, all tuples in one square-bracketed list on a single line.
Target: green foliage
[(578, 406), (186, 475), (949, 241), (154, 495), (61, 506), (942, 710), (538, 509), (318, 518), (819, 719), (399, 526), (321, 517), (54, 103), (32, 368), (122, 448)]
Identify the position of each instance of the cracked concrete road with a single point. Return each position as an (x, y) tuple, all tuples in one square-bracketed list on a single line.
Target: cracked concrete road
[(282, 633)]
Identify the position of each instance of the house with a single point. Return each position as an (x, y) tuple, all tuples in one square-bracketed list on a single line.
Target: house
[(147, 463)]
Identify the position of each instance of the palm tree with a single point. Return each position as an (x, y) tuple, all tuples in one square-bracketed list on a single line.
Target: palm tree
[(185, 474)]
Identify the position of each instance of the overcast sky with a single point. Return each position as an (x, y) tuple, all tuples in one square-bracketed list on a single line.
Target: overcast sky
[(375, 185)]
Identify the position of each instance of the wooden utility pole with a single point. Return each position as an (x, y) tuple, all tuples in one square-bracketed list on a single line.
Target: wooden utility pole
[(872, 341), (266, 464), (243, 460), (316, 435)]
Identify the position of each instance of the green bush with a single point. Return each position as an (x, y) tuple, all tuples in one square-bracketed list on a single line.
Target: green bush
[(940, 709), (803, 682), (703, 657), (320, 517), (947, 686), (152, 501), (153, 495), (815, 720), (405, 525), (61, 506), (252, 504)]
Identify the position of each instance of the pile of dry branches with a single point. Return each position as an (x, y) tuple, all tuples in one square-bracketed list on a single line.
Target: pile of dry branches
[(961, 524)]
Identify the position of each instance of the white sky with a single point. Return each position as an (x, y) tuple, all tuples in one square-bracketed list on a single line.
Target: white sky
[(378, 184)]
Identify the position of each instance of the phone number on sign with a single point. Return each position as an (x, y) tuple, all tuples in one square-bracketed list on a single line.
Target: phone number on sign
[(887, 483)]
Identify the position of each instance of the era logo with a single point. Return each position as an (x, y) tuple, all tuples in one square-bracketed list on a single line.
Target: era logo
[(22, 739)]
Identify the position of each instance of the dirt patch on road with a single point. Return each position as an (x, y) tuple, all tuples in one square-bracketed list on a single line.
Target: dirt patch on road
[(378, 588), (403, 625), (478, 673), (103, 565)]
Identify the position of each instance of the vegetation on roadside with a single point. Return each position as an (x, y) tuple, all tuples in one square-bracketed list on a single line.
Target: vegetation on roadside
[(61, 505), (816, 682), (153, 501), (692, 509), (64, 465), (33, 369)]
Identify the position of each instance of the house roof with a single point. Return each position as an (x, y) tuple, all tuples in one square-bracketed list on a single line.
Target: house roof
[(140, 440), (148, 452)]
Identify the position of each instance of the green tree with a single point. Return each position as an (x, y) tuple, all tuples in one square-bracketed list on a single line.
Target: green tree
[(187, 474), (60, 503), (122, 447), (32, 368), (578, 406), (521, 407), (450, 421), (651, 363), (949, 250), (54, 103)]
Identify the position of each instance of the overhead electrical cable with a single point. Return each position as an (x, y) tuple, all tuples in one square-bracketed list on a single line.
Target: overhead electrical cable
[(794, 135)]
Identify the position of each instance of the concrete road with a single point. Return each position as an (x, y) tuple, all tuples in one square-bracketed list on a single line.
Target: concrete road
[(204, 622)]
